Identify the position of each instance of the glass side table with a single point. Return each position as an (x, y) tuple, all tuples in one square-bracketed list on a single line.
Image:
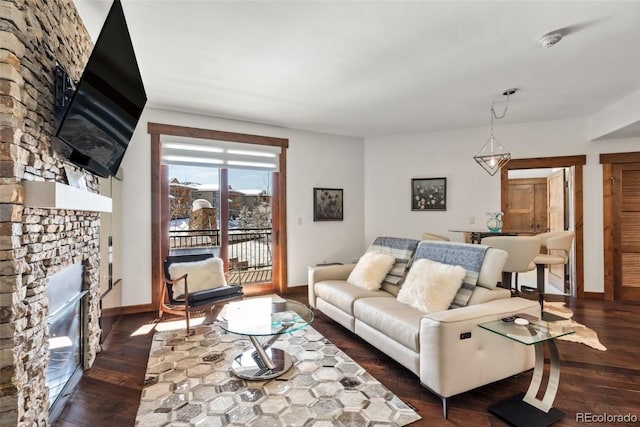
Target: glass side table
[(263, 317), (525, 409)]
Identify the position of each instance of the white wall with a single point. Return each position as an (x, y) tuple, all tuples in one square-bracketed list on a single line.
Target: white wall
[(376, 177), (391, 162), (313, 160)]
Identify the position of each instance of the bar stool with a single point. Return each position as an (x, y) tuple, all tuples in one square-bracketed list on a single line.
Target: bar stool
[(558, 244), (521, 249)]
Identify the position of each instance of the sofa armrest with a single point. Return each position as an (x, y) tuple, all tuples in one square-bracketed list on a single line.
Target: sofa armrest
[(326, 272), (456, 355), (487, 311)]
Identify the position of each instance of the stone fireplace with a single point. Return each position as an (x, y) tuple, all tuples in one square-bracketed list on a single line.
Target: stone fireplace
[(36, 242)]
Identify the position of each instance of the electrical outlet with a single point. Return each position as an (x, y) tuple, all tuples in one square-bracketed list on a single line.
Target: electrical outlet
[(472, 220), (299, 220)]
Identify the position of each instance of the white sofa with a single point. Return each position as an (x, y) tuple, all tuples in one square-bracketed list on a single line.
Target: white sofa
[(447, 350)]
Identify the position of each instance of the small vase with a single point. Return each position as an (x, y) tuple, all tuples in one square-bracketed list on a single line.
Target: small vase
[(494, 223)]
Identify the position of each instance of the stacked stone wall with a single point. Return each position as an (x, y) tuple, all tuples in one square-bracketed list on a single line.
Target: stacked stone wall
[(35, 243)]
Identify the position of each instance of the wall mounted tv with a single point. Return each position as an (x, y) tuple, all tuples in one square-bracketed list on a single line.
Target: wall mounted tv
[(96, 123)]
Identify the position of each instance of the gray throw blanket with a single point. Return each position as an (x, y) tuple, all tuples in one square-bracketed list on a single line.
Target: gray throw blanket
[(470, 257), (400, 248)]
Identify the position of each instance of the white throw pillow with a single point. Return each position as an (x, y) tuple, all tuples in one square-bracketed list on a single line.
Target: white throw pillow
[(201, 275), (371, 270), (431, 286)]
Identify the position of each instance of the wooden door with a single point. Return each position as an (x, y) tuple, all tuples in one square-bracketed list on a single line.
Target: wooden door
[(540, 209), (527, 211), (555, 218), (521, 211), (626, 231)]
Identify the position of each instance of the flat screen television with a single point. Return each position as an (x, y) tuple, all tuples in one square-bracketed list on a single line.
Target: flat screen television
[(98, 123)]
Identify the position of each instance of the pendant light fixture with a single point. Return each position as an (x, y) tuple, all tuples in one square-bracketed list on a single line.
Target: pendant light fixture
[(493, 156)]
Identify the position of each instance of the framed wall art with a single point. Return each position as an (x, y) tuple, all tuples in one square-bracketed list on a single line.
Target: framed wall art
[(429, 194), (327, 204)]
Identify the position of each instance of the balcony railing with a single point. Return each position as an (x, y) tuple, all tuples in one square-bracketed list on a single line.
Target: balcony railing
[(249, 248)]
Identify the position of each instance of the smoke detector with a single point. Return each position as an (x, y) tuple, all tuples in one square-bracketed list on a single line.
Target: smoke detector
[(550, 39)]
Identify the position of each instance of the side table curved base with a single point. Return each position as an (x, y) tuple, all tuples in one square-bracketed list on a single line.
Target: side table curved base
[(519, 413), (249, 366)]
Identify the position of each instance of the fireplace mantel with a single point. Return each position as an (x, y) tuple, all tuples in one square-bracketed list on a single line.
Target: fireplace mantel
[(56, 195)]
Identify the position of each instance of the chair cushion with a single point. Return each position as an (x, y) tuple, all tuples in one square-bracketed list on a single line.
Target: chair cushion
[(201, 275), (219, 293), (342, 295), (395, 320), (549, 259), (431, 286), (371, 270)]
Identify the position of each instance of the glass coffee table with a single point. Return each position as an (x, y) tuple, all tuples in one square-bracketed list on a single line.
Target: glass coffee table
[(263, 317), (525, 409)]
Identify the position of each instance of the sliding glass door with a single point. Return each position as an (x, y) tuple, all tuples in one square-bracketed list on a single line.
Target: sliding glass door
[(247, 226), (221, 200)]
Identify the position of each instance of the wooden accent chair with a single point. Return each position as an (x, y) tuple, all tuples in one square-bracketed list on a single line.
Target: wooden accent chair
[(178, 298)]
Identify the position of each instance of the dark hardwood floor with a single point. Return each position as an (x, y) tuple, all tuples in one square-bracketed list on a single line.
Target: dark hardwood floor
[(591, 381)]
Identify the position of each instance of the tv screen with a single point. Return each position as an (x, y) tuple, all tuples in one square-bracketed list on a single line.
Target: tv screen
[(107, 103)]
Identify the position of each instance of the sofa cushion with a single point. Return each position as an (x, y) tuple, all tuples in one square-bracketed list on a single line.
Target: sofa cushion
[(395, 320), (468, 256), (342, 295), (201, 275), (402, 249), (482, 295), (371, 269), (431, 286)]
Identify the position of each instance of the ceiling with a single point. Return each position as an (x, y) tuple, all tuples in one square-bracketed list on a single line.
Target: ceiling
[(370, 68)]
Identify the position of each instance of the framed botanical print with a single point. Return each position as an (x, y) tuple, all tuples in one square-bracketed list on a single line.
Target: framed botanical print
[(429, 194), (328, 204)]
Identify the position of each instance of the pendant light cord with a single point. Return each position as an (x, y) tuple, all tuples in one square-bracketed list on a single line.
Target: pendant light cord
[(504, 113)]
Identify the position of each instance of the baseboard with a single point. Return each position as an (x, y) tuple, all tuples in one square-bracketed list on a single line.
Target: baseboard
[(593, 295), (296, 290), (141, 308)]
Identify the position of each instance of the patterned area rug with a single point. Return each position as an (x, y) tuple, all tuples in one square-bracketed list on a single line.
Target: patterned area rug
[(583, 335), (189, 382)]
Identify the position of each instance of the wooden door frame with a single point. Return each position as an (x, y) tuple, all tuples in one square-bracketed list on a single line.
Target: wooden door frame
[(578, 196), (607, 161), (159, 239)]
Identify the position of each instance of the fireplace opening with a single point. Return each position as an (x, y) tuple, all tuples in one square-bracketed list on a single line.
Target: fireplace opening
[(66, 335)]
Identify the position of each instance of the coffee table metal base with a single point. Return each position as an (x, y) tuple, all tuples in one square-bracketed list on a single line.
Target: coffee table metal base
[(250, 366)]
